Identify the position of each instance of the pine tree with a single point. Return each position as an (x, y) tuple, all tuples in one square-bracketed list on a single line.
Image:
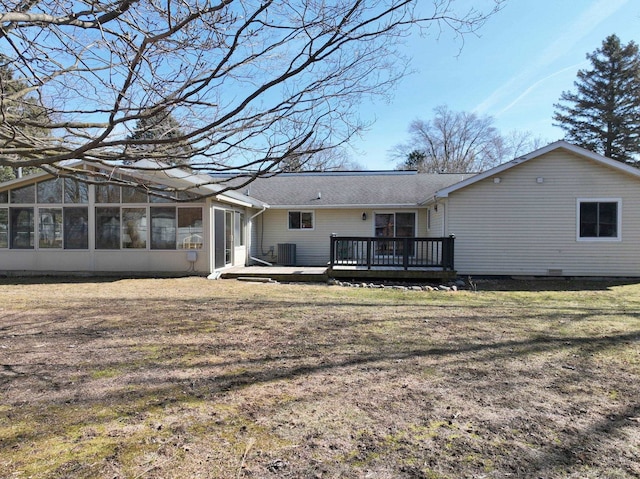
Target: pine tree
[(18, 113), (415, 160), (603, 115), (153, 131)]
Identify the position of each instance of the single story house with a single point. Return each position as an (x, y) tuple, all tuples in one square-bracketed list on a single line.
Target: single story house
[(560, 211)]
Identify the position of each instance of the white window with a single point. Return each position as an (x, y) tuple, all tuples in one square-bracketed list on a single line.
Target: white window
[(300, 220), (598, 219)]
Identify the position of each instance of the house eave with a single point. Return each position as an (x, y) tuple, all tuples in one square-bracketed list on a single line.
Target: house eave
[(226, 198), (558, 145), (344, 207)]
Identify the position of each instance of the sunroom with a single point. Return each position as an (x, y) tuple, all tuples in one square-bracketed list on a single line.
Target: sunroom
[(64, 224)]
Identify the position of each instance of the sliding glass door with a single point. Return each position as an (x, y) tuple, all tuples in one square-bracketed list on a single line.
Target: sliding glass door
[(394, 225)]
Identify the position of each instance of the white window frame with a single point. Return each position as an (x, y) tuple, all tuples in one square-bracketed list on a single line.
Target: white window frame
[(607, 239), (313, 220)]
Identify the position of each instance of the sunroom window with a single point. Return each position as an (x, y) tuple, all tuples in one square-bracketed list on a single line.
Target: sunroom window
[(108, 228), (163, 228), (50, 227), (26, 194), (53, 214), (75, 191), (134, 228), (190, 232), (4, 227), (50, 191), (76, 229), (22, 228)]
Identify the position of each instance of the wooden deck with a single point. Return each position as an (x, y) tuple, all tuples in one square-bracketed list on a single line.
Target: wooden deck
[(278, 273), (390, 272), (322, 274)]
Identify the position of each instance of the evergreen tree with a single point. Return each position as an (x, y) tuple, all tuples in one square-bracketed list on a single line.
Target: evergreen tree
[(603, 115), (415, 161), (18, 113), (161, 139)]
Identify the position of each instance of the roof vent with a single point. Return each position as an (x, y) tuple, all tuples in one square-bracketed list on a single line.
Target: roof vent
[(319, 194)]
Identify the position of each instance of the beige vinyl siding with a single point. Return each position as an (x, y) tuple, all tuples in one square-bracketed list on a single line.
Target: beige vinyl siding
[(521, 226), (437, 220), (312, 246), (102, 260)]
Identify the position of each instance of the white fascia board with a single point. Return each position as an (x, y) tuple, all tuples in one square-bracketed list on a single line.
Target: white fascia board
[(241, 200), (25, 180), (338, 207), (561, 144), (33, 177)]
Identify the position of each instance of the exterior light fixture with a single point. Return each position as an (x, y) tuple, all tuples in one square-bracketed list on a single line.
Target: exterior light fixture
[(364, 216)]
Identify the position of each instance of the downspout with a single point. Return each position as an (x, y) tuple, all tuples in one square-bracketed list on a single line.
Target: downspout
[(250, 222)]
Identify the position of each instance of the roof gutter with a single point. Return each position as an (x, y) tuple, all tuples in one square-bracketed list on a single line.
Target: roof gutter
[(344, 206)]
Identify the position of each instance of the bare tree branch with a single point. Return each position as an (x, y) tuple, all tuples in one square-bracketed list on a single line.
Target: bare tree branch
[(253, 84), (459, 142)]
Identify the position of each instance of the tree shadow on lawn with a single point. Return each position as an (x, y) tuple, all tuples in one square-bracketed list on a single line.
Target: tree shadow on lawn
[(482, 283), (160, 387), (546, 284), (105, 369)]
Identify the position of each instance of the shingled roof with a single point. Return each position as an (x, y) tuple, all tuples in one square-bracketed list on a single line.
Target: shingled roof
[(345, 189)]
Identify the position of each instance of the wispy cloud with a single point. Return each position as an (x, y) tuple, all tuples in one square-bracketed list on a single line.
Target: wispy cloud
[(521, 83), (536, 84)]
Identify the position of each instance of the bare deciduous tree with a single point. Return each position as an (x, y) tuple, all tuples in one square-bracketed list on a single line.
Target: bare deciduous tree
[(334, 159), (250, 82), (459, 142)]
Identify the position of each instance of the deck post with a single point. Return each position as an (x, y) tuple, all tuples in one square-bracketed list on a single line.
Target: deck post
[(447, 253), (369, 245), (405, 253), (332, 250)]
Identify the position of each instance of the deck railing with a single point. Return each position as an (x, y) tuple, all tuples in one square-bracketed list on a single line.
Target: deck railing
[(392, 252)]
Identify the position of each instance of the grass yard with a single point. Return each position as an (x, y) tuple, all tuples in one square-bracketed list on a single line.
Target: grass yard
[(189, 378)]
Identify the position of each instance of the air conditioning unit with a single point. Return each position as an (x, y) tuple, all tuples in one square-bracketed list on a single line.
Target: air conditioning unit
[(287, 254)]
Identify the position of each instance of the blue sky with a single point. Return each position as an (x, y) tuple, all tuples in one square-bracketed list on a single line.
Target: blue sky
[(514, 70)]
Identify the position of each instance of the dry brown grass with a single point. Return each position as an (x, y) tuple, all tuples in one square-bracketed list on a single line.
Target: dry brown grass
[(189, 378)]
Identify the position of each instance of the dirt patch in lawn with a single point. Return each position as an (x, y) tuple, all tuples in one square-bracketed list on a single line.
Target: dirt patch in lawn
[(186, 378)]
